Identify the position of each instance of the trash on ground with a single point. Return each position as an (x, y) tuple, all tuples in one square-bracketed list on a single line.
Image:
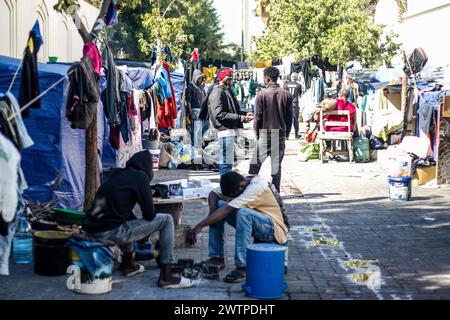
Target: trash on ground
[(325, 241)]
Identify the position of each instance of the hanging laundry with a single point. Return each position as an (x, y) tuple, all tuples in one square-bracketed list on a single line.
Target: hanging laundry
[(8, 101), (168, 113), (9, 166), (168, 54), (29, 84), (210, 73), (154, 56), (111, 17), (195, 55), (111, 95), (90, 49), (83, 94)]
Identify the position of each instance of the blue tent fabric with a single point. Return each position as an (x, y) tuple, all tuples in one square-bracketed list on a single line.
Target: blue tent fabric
[(142, 78), (54, 166)]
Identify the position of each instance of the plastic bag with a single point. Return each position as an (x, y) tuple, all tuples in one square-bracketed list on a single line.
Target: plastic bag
[(309, 152)]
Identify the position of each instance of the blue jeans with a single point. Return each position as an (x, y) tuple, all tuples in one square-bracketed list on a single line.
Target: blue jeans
[(227, 154), (248, 223), (135, 230)]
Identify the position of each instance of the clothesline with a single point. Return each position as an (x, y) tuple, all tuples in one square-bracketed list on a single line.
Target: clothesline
[(15, 76), (41, 95)]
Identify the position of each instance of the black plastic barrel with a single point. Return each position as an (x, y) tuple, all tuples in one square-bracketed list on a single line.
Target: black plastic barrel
[(51, 256)]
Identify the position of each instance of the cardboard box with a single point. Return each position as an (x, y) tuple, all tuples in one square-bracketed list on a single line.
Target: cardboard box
[(446, 107), (424, 175), (183, 182), (196, 193)]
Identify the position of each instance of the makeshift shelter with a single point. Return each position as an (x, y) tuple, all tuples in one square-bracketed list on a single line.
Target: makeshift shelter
[(54, 166)]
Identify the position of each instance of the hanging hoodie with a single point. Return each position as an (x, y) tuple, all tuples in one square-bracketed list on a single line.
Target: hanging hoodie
[(111, 95), (117, 196), (29, 81)]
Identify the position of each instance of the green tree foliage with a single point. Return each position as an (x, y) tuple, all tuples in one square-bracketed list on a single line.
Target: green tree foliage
[(187, 25), (339, 30)]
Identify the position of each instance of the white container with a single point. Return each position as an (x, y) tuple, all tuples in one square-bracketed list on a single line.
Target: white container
[(196, 193), (98, 286), (156, 154)]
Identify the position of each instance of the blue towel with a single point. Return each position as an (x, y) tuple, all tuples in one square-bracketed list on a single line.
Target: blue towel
[(94, 255)]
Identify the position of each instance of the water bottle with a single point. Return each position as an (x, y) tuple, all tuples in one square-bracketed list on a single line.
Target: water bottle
[(23, 242), (171, 165)]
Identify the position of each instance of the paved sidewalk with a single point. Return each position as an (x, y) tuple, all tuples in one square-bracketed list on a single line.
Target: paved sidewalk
[(346, 204)]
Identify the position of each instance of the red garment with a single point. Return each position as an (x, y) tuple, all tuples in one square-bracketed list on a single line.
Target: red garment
[(171, 111), (91, 50), (195, 55), (114, 136), (342, 105), (224, 73)]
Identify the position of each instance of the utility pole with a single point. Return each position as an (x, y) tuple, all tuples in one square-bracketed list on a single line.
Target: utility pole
[(242, 30)]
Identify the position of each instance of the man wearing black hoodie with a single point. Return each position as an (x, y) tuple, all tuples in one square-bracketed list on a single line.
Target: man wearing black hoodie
[(111, 218)]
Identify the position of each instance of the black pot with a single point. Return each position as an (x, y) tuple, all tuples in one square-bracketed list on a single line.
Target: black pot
[(51, 256)]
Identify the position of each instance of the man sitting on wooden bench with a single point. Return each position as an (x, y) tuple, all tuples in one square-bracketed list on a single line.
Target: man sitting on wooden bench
[(111, 218), (252, 206)]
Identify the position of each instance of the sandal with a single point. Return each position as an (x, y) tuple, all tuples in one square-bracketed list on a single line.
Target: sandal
[(235, 276), (184, 283), (138, 268)]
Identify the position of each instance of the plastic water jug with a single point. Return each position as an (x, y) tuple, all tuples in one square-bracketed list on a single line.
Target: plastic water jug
[(23, 242)]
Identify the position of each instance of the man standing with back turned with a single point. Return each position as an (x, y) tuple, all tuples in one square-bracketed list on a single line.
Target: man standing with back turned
[(295, 88), (272, 124)]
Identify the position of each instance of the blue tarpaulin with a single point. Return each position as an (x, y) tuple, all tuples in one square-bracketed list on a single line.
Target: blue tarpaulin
[(54, 166)]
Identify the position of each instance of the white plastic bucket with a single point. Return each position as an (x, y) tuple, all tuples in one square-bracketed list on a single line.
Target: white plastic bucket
[(156, 155)]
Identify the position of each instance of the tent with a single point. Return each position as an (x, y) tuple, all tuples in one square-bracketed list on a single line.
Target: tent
[(54, 166)]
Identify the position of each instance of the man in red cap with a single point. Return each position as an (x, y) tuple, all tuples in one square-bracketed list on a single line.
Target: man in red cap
[(227, 117)]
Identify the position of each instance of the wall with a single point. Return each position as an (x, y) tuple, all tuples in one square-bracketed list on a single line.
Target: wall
[(252, 25), (425, 25), (61, 38)]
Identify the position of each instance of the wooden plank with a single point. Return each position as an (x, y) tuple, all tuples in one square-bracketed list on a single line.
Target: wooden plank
[(446, 109), (157, 200), (443, 162), (335, 123), (338, 112)]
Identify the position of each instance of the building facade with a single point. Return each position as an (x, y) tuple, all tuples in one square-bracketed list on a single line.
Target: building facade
[(61, 38)]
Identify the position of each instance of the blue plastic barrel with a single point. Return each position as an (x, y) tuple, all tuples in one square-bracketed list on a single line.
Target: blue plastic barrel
[(265, 271), (400, 188)]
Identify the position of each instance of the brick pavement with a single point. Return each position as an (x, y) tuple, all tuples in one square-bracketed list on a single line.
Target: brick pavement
[(408, 242)]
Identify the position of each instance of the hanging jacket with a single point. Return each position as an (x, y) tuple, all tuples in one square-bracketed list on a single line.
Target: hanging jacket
[(29, 81), (83, 94), (111, 95), (173, 104)]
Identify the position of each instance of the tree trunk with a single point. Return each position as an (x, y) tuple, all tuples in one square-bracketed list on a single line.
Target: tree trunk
[(92, 175)]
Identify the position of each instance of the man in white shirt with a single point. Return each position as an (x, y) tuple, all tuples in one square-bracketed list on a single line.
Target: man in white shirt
[(252, 206)]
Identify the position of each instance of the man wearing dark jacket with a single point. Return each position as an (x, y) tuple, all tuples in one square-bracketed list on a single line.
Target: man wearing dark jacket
[(227, 117), (111, 218), (294, 88), (273, 121)]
